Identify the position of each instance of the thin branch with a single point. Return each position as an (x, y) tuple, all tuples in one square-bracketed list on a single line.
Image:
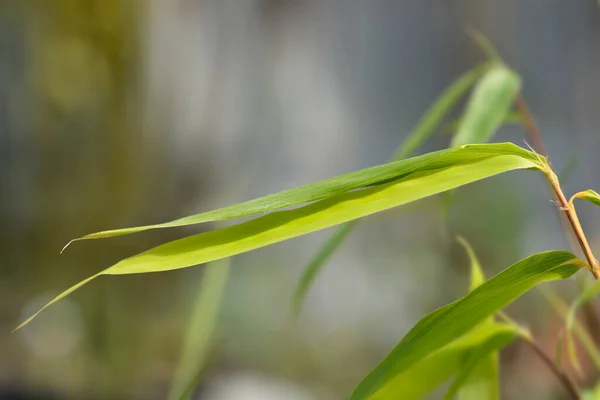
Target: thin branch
[(534, 135), (563, 378)]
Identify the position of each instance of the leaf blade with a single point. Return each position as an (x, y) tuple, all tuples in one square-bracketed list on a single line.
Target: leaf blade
[(442, 171), (201, 327), (441, 365), (480, 357), (488, 106), (477, 276), (443, 325)]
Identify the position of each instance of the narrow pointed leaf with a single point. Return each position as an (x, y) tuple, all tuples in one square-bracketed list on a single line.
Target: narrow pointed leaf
[(479, 359), (485, 44), (448, 323), (477, 276), (488, 106), (589, 195), (202, 324), (482, 382), (415, 180), (429, 373)]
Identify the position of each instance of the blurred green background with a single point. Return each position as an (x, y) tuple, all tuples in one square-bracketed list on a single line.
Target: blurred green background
[(116, 113)]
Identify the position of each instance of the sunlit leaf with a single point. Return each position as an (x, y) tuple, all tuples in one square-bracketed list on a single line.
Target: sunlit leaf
[(415, 139), (448, 323), (202, 324), (426, 375), (308, 193), (415, 179), (589, 195), (488, 106)]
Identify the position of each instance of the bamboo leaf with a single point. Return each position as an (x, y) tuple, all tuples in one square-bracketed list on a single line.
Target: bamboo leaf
[(477, 276), (414, 180), (478, 360), (448, 323), (589, 195), (202, 324), (429, 373), (479, 383), (484, 44), (482, 382), (488, 106)]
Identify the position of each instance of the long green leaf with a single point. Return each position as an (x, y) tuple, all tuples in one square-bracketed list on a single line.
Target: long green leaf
[(478, 360), (477, 276), (429, 373), (589, 195), (202, 324), (479, 383), (292, 197), (488, 106), (444, 170), (454, 320), (482, 382)]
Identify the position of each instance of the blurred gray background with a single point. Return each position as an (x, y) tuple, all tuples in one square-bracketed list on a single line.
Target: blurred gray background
[(116, 113)]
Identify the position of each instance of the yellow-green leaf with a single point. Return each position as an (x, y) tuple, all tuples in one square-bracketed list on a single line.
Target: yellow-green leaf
[(589, 195), (480, 381), (448, 323), (415, 179), (488, 105)]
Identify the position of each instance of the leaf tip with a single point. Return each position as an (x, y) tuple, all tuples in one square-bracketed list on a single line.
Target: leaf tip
[(68, 244)]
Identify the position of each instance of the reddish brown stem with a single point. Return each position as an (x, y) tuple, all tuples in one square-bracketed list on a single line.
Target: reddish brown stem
[(562, 377)]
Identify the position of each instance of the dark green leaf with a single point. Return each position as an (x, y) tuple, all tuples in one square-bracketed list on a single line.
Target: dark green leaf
[(454, 320), (426, 375)]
